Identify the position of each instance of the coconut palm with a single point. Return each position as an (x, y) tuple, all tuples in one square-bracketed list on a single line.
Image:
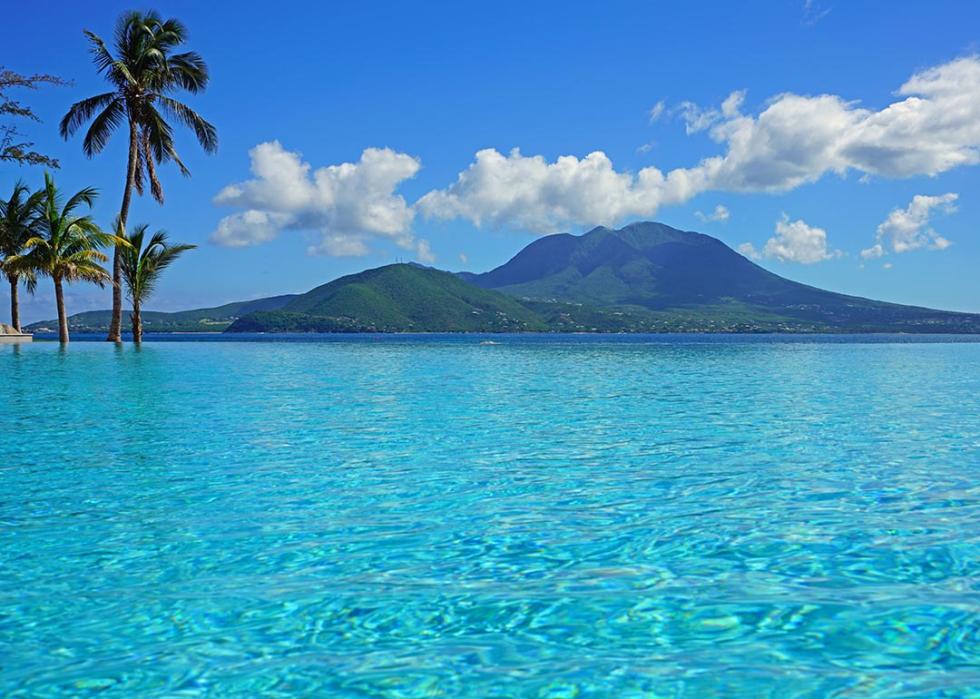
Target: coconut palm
[(65, 247), (142, 266), (144, 72), (18, 224)]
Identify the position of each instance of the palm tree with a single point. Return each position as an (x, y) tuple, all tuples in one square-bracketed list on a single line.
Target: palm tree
[(65, 247), (144, 73), (142, 266), (18, 224)]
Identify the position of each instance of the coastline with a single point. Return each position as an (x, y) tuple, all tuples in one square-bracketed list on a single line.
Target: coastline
[(536, 338)]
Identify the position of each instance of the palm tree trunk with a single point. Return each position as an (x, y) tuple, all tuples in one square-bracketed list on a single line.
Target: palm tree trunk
[(59, 298), (115, 324), (137, 323), (14, 305)]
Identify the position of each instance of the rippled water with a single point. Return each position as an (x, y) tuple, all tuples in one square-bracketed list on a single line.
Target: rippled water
[(422, 517)]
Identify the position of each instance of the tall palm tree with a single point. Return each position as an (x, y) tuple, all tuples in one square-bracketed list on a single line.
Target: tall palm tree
[(18, 224), (66, 247), (142, 266), (144, 73)]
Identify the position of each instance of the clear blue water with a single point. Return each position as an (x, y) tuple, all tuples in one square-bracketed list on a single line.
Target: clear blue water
[(543, 517)]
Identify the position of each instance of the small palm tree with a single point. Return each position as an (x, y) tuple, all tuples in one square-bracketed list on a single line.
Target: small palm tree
[(18, 224), (144, 73), (142, 266), (65, 247)]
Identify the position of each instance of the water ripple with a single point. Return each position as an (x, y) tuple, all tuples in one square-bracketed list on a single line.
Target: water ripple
[(421, 518)]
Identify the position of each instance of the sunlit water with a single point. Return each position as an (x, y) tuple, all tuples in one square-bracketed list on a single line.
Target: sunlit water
[(543, 517)]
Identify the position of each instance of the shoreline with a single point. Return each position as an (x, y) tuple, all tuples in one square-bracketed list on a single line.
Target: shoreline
[(532, 338)]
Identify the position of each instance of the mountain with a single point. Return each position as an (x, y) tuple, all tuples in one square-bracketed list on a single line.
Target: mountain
[(197, 320), (396, 298), (645, 277), (659, 273)]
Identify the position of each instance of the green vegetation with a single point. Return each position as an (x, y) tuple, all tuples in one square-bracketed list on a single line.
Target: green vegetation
[(569, 317), (646, 277), (142, 265), (626, 289), (213, 319), (658, 278), (397, 298), (18, 224), (286, 322), (144, 72), (65, 247)]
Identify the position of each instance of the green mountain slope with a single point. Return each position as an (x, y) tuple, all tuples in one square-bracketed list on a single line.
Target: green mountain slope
[(396, 298), (645, 277), (660, 273), (196, 320)]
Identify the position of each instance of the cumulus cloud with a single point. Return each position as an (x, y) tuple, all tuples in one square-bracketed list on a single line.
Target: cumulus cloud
[(875, 251), (348, 204), (531, 193), (932, 126), (249, 228), (908, 229), (795, 241), (720, 214)]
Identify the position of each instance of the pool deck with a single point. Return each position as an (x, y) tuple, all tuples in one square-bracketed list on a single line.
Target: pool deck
[(9, 335)]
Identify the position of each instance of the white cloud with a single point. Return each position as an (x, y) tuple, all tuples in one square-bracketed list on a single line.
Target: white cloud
[(249, 228), (748, 249), (873, 253), (339, 245), (795, 241), (424, 252), (908, 229), (720, 214), (349, 204), (697, 119), (813, 12), (531, 193), (932, 127), (657, 111), (463, 258)]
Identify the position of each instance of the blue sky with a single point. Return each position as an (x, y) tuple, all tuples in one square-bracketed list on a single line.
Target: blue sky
[(819, 153)]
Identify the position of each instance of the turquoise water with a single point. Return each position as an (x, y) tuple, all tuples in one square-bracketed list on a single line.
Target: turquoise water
[(543, 517)]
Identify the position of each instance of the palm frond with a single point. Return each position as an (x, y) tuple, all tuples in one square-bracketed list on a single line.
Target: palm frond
[(151, 169), (82, 111), (102, 128), (144, 261), (87, 196), (141, 160), (189, 71), (144, 70), (206, 134)]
